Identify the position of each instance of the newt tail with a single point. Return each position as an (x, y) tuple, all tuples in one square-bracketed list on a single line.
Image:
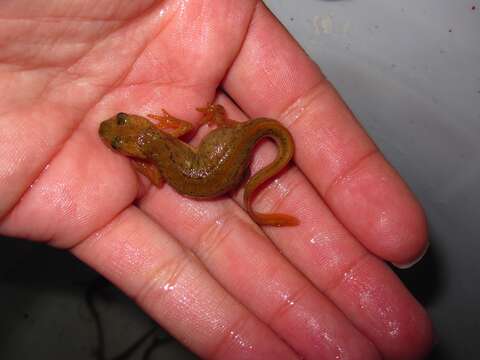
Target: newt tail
[(285, 149)]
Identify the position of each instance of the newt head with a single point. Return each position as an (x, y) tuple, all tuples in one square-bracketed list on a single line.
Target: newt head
[(123, 133)]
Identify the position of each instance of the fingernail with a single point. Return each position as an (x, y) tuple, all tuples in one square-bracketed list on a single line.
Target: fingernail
[(410, 264)]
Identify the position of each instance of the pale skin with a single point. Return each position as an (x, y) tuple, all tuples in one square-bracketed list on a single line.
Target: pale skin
[(222, 285)]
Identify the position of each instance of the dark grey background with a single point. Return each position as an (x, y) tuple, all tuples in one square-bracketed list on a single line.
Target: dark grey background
[(410, 71)]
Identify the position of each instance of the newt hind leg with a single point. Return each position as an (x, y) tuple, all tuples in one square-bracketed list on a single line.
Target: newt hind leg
[(215, 114)]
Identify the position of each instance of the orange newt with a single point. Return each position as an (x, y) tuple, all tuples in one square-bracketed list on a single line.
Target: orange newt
[(219, 164)]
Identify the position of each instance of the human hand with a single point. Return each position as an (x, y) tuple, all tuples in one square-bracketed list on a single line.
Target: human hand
[(203, 269)]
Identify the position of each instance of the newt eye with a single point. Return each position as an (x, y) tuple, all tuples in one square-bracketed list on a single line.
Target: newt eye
[(116, 142), (122, 118)]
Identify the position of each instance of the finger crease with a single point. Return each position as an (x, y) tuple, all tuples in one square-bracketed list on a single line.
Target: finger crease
[(232, 336), (345, 275), (288, 301), (164, 278), (216, 233), (342, 176), (294, 111)]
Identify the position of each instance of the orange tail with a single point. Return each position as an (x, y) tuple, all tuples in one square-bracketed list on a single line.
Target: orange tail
[(285, 147)]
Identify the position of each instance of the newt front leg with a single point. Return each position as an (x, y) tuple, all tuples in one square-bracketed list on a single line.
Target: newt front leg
[(166, 121)]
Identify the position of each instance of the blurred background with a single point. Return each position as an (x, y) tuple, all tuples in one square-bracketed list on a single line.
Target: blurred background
[(410, 71)]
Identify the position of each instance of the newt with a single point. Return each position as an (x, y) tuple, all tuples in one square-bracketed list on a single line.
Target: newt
[(217, 166)]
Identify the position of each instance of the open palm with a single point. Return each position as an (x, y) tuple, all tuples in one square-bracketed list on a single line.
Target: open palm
[(223, 286)]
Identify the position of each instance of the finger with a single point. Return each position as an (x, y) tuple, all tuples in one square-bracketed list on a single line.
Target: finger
[(187, 57), (364, 289), (239, 256), (367, 292), (171, 286), (273, 77)]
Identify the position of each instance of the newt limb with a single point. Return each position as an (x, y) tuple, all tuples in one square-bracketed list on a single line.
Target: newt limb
[(167, 121)]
